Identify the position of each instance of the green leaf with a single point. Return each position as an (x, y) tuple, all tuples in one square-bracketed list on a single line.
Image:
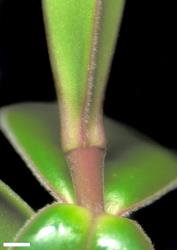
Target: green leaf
[(81, 37), (137, 171), (114, 233), (33, 130), (13, 213), (66, 227), (57, 227)]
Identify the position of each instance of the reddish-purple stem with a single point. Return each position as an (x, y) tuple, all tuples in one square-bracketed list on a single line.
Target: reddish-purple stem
[(86, 166)]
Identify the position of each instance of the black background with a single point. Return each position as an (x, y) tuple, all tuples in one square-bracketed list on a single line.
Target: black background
[(141, 91)]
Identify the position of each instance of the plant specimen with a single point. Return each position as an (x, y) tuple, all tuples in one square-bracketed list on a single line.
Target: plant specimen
[(98, 171)]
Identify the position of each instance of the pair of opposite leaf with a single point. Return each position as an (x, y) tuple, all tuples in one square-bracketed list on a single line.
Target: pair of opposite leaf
[(81, 36)]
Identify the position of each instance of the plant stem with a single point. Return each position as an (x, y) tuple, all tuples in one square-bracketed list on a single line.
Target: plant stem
[(86, 166)]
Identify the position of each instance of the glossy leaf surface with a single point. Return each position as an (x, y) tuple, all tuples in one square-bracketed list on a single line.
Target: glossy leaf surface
[(137, 171), (115, 233), (13, 213), (81, 37), (67, 227), (63, 227)]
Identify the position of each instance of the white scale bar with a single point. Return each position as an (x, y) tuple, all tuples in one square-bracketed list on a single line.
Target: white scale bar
[(22, 244)]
